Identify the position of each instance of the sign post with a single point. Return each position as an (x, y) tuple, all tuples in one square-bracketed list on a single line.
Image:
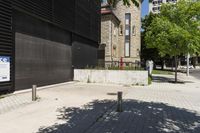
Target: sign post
[(4, 68)]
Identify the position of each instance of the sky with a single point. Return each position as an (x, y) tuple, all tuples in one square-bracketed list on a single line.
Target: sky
[(145, 7)]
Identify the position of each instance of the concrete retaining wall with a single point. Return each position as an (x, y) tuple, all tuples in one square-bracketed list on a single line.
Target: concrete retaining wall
[(111, 76)]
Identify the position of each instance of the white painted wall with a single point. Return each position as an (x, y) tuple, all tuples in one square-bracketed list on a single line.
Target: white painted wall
[(111, 76)]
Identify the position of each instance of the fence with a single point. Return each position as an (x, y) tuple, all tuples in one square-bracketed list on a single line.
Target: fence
[(124, 65)]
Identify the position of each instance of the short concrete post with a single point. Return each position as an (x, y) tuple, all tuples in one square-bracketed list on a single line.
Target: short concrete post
[(119, 102), (34, 89)]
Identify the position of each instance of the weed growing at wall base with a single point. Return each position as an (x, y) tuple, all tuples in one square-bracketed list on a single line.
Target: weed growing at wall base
[(149, 80), (1, 96)]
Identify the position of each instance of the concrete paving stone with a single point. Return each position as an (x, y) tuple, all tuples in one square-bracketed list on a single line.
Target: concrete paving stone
[(87, 108)]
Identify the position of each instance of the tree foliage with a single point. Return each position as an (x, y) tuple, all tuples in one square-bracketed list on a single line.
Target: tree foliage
[(126, 2), (148, 53), (175, 30)]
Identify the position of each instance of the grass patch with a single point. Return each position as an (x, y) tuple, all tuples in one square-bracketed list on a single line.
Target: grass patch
[(162, 72), (1, 96), (149, 80)]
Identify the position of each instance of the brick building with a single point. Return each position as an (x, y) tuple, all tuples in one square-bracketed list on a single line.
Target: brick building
[(155, 5), (120, 32)]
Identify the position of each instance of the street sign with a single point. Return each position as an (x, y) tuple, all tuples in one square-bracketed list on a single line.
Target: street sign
[(4, 68)]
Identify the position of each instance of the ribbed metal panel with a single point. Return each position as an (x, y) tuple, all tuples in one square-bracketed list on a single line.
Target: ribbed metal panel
[(95, 20), (84, 52), (41, 8), (64, 13), (80, 17), (5, 28), (87, 19), (42, 52), (6, 37)]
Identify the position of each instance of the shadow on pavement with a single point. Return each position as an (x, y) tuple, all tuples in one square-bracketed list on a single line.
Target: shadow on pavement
[(161, 79), (137, 117)]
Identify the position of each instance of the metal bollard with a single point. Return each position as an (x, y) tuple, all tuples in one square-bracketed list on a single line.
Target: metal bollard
[(34, 89), (119, 102)]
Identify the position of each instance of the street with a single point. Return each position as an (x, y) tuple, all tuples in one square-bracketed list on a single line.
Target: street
[(195, 73)]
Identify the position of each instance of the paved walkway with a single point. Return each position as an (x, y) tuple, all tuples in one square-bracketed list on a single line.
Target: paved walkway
[(91, 108)]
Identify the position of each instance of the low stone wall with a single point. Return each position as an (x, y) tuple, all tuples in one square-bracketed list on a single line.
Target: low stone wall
[(111, 76)]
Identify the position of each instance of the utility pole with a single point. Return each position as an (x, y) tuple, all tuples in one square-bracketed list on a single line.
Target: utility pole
[(188, 64)]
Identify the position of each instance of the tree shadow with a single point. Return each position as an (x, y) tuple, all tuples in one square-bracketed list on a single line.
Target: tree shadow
[(137, 117), (161, 79)]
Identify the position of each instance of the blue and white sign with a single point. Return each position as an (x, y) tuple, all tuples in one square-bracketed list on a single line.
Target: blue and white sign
[(4, 68)]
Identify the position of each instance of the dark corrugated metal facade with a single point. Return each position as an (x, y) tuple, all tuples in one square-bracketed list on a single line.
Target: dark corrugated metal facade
[(45, 38)]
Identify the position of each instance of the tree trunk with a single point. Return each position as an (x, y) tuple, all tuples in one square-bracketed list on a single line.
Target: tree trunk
[(175, 61), (162, 67), (173, 64), (179, 61), (188, 64), (194, 61)]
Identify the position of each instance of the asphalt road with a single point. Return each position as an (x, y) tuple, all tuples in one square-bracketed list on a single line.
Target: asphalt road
[(195, 73)]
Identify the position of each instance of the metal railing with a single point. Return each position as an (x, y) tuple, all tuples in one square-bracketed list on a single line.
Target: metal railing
[(124, 65)]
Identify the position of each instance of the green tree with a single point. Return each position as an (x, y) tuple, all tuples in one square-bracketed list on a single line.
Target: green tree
[(175, 30), (126, 2), (148, 53)]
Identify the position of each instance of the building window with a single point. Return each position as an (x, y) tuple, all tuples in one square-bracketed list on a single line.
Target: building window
[(127, 49), (133, 30), (155, 3), (127, 34), (104, 2), (154, 8), (121, 30), (160, 2)]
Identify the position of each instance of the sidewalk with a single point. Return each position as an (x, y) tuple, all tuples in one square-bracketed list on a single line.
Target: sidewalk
[(91, 108)]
